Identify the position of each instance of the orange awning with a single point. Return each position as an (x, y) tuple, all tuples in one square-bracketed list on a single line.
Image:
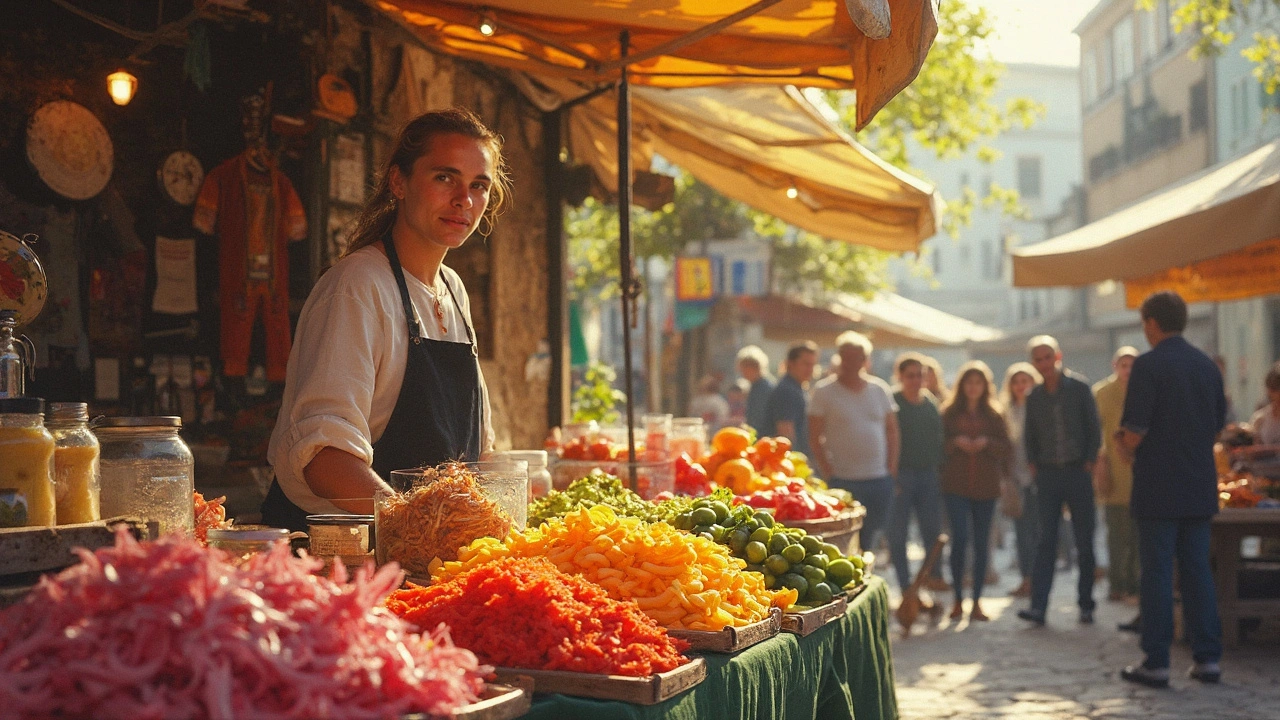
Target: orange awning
[(802, 42)]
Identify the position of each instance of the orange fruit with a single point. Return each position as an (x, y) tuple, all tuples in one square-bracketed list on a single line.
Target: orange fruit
[(731, 440), (783, 443), (736, 474)]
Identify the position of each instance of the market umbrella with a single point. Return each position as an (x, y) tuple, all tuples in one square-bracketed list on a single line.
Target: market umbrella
[(683, 44)]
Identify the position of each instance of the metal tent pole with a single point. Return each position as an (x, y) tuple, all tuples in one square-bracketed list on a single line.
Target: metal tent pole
[(624, 247)]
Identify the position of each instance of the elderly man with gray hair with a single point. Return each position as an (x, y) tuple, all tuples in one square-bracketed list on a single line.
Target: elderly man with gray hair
[(853, 428)]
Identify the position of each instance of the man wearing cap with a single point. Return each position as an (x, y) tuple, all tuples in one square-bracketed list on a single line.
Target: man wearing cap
[(1113, 479)]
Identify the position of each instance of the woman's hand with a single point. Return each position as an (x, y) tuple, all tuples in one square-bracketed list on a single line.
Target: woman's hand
[(980, 443)]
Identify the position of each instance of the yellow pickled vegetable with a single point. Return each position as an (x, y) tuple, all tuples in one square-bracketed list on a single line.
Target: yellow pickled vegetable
[(26, 465), (76, 478), (683, 581)]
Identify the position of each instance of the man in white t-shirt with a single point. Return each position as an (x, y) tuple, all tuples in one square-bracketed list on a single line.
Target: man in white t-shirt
[(853, 429)]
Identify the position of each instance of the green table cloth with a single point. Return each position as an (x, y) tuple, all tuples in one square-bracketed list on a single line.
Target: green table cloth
[(843, 670)]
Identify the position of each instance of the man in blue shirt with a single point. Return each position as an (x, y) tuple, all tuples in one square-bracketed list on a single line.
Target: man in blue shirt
[(753, 366), (1173, 412), (786, 412), (1062, 436)]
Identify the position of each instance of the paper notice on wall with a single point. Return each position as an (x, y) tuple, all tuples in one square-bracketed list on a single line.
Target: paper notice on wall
[(106, 378), (175, 276)]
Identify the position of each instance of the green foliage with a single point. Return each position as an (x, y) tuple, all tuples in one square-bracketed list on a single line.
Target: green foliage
[(596, 398), (804, 261), (1215, 24), (950, 109)]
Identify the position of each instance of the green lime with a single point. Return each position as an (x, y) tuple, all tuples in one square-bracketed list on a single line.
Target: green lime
[(770, 580), (819, 561), (812, 544), (795, 582), (840, 572), (857, 561), (761, 535), (793, 553), (777, 565), (704, 516), (778, 542), (738, 540), (757, 552), (719, 532), (684, 521), (701, 503), (764, 518), (750, 525), (821, 593), (755, 568), (812, 574), (721, 510), (831, 551)]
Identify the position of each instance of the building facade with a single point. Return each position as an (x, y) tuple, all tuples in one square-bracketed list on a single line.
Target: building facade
[(969, 274)]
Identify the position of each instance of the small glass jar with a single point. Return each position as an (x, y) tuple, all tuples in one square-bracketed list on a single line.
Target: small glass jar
[(75, 463), (242, 542), (688, 435), (147, 471), (657, 437), (26, 461), (539, 475)]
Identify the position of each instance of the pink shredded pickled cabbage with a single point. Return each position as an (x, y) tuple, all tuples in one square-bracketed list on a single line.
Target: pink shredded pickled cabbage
[(170, 629)]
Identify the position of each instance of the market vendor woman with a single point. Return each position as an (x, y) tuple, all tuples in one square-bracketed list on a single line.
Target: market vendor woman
[(383, 374)]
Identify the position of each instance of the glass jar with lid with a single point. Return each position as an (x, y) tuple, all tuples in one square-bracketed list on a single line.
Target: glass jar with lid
[(26, 464), (688, 435), (147, 471), (75, 463), (539, 475), (242, 542)]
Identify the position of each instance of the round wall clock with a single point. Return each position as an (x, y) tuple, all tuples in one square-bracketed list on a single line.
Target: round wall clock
[(70, 149), (180, 176)]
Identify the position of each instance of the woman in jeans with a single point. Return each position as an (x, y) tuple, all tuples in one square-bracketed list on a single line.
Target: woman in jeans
[(977, 451), (1018, 381)]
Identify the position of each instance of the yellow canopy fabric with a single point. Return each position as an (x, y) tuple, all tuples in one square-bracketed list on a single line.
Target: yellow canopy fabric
[(805, 42), (753, 143), (1220, 210)]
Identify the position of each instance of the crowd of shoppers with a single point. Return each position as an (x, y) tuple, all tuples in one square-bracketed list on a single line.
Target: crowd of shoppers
[(1139, 444)]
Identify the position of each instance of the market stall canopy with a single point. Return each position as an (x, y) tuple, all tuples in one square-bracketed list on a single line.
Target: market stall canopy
[(890, 320), (754, 143), (684, 44), (1222, 210)]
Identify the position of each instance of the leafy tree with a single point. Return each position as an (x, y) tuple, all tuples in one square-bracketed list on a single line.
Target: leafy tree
[(1216, 23), (596, 399), (950, 110)]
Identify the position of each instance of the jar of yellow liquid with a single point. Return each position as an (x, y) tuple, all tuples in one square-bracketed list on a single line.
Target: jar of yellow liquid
[(75, 463), (26, 458)]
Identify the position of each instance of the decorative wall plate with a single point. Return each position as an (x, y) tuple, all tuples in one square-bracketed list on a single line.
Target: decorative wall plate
[(180, 176), (70, 149), (23, 286)]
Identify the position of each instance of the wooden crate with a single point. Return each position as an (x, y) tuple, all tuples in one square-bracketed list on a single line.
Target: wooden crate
[(732, 639), (27, 553), (497, 702), (649, 690), (841, 530), (805, 622)]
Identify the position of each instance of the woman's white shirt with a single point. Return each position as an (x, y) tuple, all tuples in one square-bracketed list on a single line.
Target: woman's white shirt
[(347, 365)]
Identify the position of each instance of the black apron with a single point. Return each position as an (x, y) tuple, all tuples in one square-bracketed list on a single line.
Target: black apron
[(438, 415)]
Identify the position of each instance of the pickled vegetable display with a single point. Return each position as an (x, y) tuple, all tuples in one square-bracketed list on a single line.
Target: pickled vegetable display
[(26, 465)]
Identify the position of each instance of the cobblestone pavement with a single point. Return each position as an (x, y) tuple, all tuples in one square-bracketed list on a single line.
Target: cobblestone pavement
[(1007, 669)]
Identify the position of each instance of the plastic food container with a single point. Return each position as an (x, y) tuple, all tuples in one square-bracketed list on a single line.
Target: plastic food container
[(432, 513), (147, 471), (75, 463), (651, 477), (539, 475), (26, 461), (331, 535), (244, 541)]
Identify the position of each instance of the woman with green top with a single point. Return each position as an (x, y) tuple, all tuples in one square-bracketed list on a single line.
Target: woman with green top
[(920, 455)]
